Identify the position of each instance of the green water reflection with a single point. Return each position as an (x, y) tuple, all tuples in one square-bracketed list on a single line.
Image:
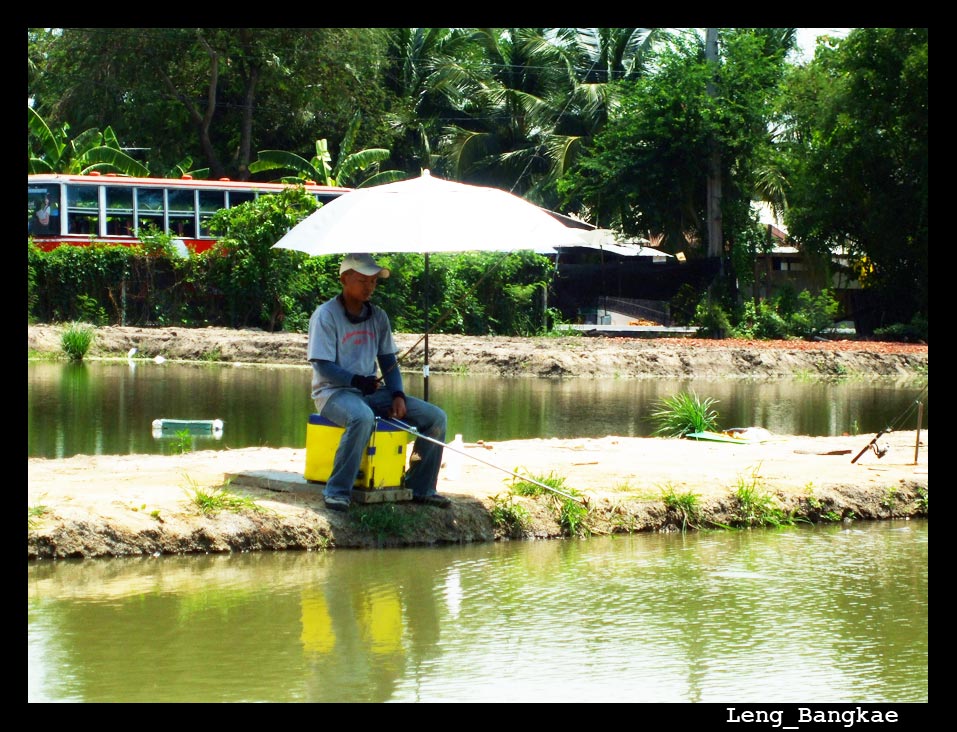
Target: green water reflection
[(109, 408), (809, 614)]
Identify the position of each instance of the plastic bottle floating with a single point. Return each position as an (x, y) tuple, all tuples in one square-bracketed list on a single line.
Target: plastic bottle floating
[(212, 426)]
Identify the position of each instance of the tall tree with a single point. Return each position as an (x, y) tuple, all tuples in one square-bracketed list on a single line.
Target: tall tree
[(213, 94), (542, 95), (646, 170), (506, 135), (860, 162), (428, 74)]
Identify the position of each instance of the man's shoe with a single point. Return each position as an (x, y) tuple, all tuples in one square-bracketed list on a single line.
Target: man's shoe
[(433, 500), (337, 504)]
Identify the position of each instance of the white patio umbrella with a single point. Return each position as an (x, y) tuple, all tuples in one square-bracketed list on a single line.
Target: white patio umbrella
[(425, 215)]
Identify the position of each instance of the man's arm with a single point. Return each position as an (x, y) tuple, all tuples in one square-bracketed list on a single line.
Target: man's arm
[(337, 375), (333, 372), (390, 373)]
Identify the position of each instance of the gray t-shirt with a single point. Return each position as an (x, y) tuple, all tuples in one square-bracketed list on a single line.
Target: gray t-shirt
[(351, 346)]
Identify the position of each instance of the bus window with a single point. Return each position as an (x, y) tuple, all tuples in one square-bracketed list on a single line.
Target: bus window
[(209, 203), (119, 211), (182, 212), (82, 210), (149, 210), (43, 209), (237, 198)]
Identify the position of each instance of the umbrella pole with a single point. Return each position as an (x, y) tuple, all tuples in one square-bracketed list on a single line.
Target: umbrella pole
[(425, 365)]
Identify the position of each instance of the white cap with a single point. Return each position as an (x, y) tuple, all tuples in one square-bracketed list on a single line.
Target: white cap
[(363, 264)]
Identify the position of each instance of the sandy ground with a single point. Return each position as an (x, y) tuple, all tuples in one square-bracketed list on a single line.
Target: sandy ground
[(119, 505), (599, 467)]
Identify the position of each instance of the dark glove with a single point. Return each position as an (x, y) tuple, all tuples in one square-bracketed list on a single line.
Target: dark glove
[(366, 384)]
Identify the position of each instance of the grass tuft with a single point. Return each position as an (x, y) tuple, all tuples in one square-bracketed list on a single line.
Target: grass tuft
[(510, 517), (221, 499), (572, 513), (34, 514), (386, 521), (922, 500), (687, 506), (757, 507), (683, 413), (77, 339)]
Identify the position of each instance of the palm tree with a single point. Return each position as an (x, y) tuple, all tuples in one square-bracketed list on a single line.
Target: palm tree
[(546, 93), (430, 74), (505, 137)]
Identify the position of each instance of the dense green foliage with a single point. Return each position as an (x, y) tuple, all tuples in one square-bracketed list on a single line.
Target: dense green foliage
[(622, 126)]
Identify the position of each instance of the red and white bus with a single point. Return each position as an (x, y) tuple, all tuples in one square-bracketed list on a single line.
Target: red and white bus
[(82, 209)]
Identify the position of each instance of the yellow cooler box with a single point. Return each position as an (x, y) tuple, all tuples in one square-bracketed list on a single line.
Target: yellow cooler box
[(383, 464)]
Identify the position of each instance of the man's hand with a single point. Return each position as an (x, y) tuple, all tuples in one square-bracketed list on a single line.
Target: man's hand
[(366, 384), (398, 406)]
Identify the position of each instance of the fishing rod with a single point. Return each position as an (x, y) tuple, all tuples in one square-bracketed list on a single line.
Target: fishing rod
[(880, 452), (414, 431)]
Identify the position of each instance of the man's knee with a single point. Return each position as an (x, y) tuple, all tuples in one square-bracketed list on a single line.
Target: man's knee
[(363, 421)]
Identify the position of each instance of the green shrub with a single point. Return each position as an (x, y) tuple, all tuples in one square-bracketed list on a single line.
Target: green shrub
[(711, 319), (911, 332), (760, 321), (814, 314)]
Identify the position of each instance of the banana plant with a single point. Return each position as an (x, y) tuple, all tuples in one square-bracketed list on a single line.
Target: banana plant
[(345, 173), (184, 167), (54, 151)]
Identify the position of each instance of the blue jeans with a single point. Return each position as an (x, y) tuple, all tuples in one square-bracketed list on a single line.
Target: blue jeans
[(356, 414)]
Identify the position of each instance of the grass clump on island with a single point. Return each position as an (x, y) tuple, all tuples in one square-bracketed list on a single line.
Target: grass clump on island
[(684, 413), (510, 517), (386, 521), (686, 506), (77, 339), (34, 514)]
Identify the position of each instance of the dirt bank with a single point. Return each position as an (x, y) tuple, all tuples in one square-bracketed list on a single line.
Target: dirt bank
[(95, 506), (573, 356), (100, 505)]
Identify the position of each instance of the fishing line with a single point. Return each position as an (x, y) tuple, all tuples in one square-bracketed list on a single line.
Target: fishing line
[(458, 302), (414, 431), (909, 411)]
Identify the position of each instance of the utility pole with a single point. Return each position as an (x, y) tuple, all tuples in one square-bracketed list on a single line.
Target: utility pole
[(715, 237)]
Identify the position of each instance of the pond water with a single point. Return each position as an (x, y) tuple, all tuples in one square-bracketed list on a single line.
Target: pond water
[(810, 614), (109, 407)]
